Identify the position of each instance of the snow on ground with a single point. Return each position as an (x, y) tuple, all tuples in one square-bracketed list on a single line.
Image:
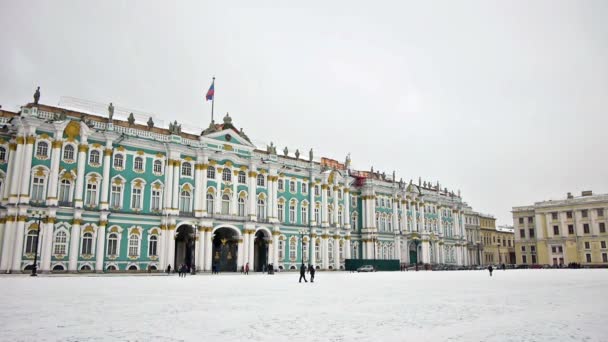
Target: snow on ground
[(513, 305)]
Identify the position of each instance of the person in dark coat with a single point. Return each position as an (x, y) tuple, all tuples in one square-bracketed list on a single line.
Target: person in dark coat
[(246, 268), (490, 268), (311, 269), (168, 269), (303, 273)]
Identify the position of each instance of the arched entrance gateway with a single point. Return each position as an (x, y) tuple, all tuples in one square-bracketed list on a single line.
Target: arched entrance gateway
[(225, 249), (260, 251), (184, 246)]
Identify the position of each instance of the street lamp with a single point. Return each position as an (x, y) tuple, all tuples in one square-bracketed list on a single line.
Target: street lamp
[(302, 233), (416, 243), (35, 268)]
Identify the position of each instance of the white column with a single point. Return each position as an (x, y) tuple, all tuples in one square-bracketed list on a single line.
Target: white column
[(311, 250), (395, 215), (251, 248), (176, 187), (171, 246), (203, 190), (346, 194), (8, 243), (2, 234), (336, 253), (217, 207), (246, 246), (271, 248), (82, 157), (200, 262), (325, 250), (364, 214), (105, 187), (54, 174), (198, 191), (336, 205), (10, 171), (235, 194), (311, 193), (440, 219), (240, 257), (252, 192), (275, 242), (27, 169), (18, 245), (15, 190), (100, 249), (208, 248), (270, 204), (422, 217), (324, 206), (168, 186), (74, 244), (347, 248)]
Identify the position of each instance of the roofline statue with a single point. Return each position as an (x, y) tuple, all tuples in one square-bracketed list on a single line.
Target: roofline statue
[(37, 95)]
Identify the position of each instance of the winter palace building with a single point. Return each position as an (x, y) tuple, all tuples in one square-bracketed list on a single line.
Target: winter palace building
[(105, 194)]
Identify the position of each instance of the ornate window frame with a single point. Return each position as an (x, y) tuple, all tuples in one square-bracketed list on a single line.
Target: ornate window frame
[(73, 151)]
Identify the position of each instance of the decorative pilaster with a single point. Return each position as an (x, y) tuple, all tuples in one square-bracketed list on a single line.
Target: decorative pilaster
[(82, 159), (251, 177), (208, 248), (9, 226), (16, 170), (336, 252), (324, 207), (168, 186), (346, 218), (325, 250), (101, 239), (10, 171), (54, 174), (105, 187), (75, 241), (47, 243), (347, 249), (176, 187), (18, 244)]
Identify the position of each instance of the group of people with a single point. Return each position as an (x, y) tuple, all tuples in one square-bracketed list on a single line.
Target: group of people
[(245, 269), (182, 270), (303, 270)]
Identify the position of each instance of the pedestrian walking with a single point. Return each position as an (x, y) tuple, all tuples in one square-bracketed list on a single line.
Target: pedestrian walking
[(184, 270), (247, 269), (311, 269), (303, 273), (242, 269), (168, 269), (179, 271), (490, 268)]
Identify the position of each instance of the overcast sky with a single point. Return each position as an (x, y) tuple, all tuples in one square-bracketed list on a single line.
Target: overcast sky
[(506, 101)]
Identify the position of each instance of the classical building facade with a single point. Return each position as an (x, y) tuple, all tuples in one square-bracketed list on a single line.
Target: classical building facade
[(560, 232), (119, 195)]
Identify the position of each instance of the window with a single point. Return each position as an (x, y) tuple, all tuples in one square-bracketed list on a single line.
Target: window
[(241, 205), (304, 218), (155, 203), (292, 213), (242, 178), (304, 187), (138, 164), (87, 244), (555, 230), (586, 228), (588, 257), (91, 195), (604, 257), (38, 189), (210, 172), (317, 192), (522, 233), (281, 249), (340, 216), (587, 245), (210, 201), (68, 152), (292, 186), (184, 201), (603, 244), (317, 215), (353, 223), (602, 227), (187, 169), (292, 249), (2, 154), (571, 229), (42, 151), (532, 249), (353, 201), (112, 244), (133, 245), (554, 216), (305, 249), (119, 161), (281, 210), (531, 232), (158, 167), (523, 259), (225, 204), (260, 180), (261, 209), (340, 194), (152, 244), (568, 214), (31, 242), (227, 175), (530, 219), (584, 213), (317, 251), (94, 157), (534, 259), (115, 196), (600, 213), (61, 241), (521, 220), (136, 198)]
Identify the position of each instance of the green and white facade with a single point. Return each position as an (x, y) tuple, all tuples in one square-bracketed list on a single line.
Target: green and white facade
[(119, 195)]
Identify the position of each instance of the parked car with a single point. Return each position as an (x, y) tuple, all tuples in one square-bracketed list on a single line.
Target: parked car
[(366, 268)]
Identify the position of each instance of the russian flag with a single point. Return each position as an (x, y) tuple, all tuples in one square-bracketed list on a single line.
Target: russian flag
[(210, 92)]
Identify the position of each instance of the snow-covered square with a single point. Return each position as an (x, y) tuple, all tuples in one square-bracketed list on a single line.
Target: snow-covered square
[(513, 305)]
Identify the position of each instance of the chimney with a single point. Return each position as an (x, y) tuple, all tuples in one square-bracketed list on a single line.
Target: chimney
[(587, 193), (569, 196)]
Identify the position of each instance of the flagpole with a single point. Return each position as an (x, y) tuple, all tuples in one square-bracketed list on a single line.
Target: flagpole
[(212, 99)]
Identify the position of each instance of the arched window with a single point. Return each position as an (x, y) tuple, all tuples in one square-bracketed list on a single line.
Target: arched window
[(353, 223), (65, 190), (31, 242), (261, 209), (91, 195), (378, 221), (210, 172), (227, 175), (37, 189), (113, 244), (293, 249), (119, 161), (317, 216), (210, 200), (317, 250), (281, 212), (186, 169), (42, 151), (155, 202), (292, 186), (242, 177), (281, 249), (241, 206), (133, 245), (2, 154), (138, 164), (261, 180), (389, 223), (87, 244), (330, 215), (68, 152), (292, 212), (330, 249), (225, 204), (61, 240), (136, 202), (152, 244), (158, 166), (305, 250), (184, 201), (94, 157), (304, 212), (304, 187), (116, 195), (281, 185)]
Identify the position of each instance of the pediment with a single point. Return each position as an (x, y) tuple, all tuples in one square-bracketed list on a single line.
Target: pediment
[(229, 136)]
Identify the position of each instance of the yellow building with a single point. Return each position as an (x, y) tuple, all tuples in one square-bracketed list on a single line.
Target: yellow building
[(497, 243), (560, 232)]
